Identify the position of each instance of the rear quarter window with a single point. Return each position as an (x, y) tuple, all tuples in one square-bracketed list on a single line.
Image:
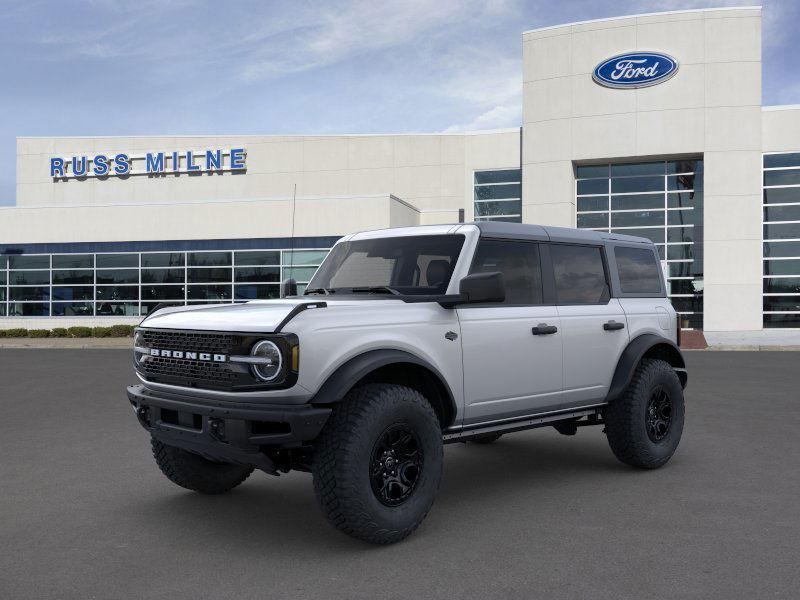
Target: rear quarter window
[(638, 271)]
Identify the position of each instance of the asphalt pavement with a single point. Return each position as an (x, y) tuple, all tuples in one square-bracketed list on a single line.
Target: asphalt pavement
[(85, 513)]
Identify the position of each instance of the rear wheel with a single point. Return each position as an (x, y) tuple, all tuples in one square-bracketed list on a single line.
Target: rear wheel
[(378, 463), (193, 472), (644, 425)]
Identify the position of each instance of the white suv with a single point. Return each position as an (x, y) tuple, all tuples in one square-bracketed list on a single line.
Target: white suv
[(408, 339)]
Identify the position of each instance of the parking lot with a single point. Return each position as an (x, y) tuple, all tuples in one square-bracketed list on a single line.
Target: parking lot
[(85, 513)]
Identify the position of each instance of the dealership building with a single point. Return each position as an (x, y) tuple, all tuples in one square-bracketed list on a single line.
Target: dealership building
[(650, 125)]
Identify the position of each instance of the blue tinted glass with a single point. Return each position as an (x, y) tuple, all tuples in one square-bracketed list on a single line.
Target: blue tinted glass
[(29, 293), (73, 261), (637, 184), (637, 201), (117, 260), (495, 192), (782, 195), (684, 182), (257, 292), (782, 231), (782, 285), (591, 171), (789, 177), (773, 249), (499, 176), (782, 213), (637, 219), (787, 320), (593, 220), (117, 292), (650, 168), (791, 159), (118, 276), (29, 262), (593, 186), (84, 292), (28, 277), (72, 309), (782, 267), (209, 292), (498, 208), (592, 203)]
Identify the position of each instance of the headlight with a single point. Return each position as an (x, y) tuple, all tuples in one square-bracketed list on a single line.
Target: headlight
[(269, 365), (138, 347)]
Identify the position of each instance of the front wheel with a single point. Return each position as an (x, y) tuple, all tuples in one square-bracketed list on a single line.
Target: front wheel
[(193, 472), (378, 463), (645, 424)]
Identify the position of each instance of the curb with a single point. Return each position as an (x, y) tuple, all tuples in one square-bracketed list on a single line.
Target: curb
[(67, 343)]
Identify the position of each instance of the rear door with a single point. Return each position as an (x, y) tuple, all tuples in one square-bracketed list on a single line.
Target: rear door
[(594, 325), (511, 350)]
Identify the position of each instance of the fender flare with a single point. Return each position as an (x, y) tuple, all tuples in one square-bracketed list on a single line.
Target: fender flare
[(352, 371), (633, 354)]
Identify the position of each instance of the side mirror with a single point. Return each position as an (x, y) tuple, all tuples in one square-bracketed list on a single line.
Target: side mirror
[(289, 288), (478, 288)]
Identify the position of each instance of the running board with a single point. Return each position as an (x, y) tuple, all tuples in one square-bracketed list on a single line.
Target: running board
[(520, 424)]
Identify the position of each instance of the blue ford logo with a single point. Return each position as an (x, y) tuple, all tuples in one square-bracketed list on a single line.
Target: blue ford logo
[(635, 70)]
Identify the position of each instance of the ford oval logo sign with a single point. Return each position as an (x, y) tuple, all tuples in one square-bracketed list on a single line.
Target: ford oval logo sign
[(635, 70)]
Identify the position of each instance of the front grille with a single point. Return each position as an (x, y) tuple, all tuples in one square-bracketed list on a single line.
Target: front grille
[(195, 373)]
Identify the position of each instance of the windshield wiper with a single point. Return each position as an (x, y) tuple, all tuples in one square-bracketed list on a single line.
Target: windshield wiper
[(375, 289), (323, 291)]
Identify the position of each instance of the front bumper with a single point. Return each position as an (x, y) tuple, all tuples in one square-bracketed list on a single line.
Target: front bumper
[(227, 431)]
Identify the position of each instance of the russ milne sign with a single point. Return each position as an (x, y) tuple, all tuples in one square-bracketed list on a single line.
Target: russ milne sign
[(151, 163), (635, 70)]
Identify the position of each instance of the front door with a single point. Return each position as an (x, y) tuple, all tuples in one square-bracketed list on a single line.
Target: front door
[(511, 350)]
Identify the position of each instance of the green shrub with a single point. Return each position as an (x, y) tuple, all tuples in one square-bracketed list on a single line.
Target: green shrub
[(2, 333), (122, 330), (59, 332), (101, 332), (16, 332), (38, 333), (80, 332)]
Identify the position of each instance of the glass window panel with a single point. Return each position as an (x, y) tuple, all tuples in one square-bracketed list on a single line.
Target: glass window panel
[(519, 264), (2, 310), (495, 192), (587, 171), (73, 309), (29, 293), (257, 274), (683, 217), (788, 177), (637, 184), (592, 186), (648, 168), (680, 234), (209, 259), (29, 277), (118, 276), (683, 286), (661, 251), (163, 259), (684, 182), (789, 159), (299, 273), (782, 303), (694, 321), (579, 274), (684, 166), (680, 269), (773, 249), (209, 292), (656, 234), (685, 200), (73, 277), (782, 231), (162, 292), (784, 285), (3, 262), (593, 203), (118, 292), (84, 292), (2, 294), (782, 267), (117, 260), (117, 309), (28, 309), (637, 201), (593, 220), (688, 304), (148, 306), (498, 208), (208, 275), (782, 195), (788, 320), (163, 275), (637, 219), (498, 176), (29, 262), (639, 273), (500, 219), (73, 261), (258, 258), (782, 213), (257, 292), (680, 252)]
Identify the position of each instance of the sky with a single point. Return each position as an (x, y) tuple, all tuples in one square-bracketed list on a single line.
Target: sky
[(161, 67)]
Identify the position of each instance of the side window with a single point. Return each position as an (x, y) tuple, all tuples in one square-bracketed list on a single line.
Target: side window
[(519, 264), (579, 274), (639, 272)]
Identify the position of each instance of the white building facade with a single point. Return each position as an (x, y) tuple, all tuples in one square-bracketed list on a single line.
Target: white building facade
[(668, 140)]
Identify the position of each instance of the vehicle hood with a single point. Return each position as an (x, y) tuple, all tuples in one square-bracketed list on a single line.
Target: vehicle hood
[(260, 316)]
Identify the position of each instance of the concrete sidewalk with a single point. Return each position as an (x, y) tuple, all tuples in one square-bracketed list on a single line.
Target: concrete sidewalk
[(54, 343)]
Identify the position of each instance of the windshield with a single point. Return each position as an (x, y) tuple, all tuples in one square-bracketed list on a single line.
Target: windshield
[(420, 264)]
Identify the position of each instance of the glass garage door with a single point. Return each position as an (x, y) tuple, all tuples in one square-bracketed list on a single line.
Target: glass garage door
[(781, 301), (661, 200)]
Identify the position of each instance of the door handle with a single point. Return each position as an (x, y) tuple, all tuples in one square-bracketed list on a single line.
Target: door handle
[(544, 329), (613, 326)]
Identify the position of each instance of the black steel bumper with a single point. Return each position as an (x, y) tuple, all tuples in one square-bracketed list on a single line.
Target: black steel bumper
[(228, 431)]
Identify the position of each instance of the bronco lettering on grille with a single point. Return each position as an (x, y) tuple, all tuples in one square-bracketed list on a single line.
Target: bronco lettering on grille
[(204, 356)]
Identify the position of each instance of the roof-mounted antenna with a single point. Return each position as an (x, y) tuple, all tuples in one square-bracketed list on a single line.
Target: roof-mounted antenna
[(289, 287)]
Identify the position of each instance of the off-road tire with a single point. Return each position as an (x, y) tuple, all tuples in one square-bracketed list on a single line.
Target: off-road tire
[(193, 472), (626, 422), (486, 438), (344, 456)]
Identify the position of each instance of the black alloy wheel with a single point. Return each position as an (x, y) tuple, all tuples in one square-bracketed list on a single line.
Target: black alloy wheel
[(395, 465), (658, 414)]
